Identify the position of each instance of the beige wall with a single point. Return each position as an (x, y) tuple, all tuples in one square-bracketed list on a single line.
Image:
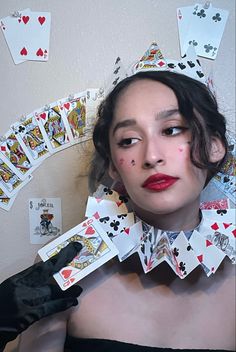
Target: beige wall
[(86, 37)]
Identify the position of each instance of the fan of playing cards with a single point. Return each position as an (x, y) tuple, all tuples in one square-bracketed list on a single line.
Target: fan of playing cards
[(111, 229), (40, 134)]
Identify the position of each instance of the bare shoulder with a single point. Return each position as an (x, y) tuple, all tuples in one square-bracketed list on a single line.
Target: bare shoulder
[(118, 296)]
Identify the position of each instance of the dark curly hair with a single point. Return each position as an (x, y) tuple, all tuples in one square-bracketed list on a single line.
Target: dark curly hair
[(197, 106)]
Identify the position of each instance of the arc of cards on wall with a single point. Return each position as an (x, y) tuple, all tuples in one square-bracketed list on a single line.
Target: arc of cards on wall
[(40, 134)]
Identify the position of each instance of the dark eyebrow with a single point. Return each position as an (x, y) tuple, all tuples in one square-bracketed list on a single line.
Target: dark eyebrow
[(167, 113), (132, 122), (125, 123)]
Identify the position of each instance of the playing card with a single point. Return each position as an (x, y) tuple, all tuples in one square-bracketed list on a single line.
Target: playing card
[(154, 249), (151, 59), (225, 180), (188, 65), (98, 208), (128, 241), (226, 184), (97, 250), (118, 74), (6, 202), (208, 255), (10, 183), (31, 140), (204, 29), (222, 215), (94, 96), (219, 204), (105, 192), (114, 225), (184, 255), (11, 151), (28, 35), (45, 219), (52, 127), (12, 34), (73, 111), (221, 234)]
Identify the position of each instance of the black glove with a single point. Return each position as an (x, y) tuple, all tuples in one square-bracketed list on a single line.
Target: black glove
[(30, 295)]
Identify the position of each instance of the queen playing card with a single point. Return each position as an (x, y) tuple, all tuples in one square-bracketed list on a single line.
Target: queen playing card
[(97, 250)]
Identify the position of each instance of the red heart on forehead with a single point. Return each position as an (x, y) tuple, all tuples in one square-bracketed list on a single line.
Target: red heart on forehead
[(66, 273), (89, 231), (67, 105), (39, 52), (41, 19), (25, 19), (23, 51), (43, 115)]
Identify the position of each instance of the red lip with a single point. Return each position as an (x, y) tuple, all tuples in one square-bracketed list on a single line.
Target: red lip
[(159, 182)]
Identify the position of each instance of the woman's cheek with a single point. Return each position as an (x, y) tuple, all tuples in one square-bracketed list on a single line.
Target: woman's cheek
[(183, 152), (126, 163)]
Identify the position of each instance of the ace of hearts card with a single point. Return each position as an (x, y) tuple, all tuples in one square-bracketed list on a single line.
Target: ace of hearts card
[(97, 249)]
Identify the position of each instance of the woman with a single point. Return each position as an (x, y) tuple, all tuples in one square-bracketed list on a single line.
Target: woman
[(159, 135)]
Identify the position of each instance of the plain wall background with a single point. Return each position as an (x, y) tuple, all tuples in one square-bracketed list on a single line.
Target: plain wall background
[(86, 38)]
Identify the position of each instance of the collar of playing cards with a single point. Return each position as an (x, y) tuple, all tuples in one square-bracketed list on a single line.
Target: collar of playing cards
[(207, 245)]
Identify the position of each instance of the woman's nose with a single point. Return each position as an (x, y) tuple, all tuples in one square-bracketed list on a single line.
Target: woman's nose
[(153, 155)]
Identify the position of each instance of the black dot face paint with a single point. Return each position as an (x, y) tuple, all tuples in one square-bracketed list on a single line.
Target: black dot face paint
[(133, 162)]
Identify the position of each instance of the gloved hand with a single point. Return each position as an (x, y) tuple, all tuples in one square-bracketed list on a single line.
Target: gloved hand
[(30, 295)]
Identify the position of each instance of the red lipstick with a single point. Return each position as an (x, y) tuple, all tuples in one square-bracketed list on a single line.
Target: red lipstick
[(159, 182)]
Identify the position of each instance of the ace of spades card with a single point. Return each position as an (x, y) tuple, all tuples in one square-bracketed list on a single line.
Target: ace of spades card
[(97, 249), (45, 219)]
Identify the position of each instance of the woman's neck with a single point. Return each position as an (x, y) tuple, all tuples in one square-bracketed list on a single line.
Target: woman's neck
[(183, 219)]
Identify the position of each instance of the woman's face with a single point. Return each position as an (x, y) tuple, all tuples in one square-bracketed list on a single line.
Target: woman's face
[(149, 143)]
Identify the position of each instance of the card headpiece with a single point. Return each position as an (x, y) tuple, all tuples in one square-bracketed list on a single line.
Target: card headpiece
[(154, 60)]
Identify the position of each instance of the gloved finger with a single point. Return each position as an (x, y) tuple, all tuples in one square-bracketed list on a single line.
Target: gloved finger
[(39, 273), (72, 292), (65, 256)]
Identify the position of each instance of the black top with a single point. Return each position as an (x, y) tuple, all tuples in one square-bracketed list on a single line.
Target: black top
[(75, 344)]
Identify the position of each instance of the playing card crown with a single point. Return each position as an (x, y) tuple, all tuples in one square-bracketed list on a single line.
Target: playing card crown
[(154, 60)]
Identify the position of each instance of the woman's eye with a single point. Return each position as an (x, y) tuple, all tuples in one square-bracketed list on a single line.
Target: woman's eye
[(126, 142), (172, 131)]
